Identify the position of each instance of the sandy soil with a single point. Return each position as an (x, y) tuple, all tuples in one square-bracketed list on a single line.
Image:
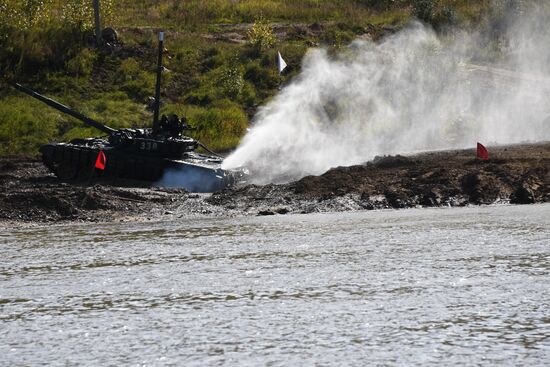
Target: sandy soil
[(518, 174)]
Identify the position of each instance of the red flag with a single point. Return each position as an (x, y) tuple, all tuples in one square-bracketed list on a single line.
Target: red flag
[(101, 161), (482, 152)]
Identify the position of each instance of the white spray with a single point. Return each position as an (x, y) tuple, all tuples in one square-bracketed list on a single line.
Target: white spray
[(410, 92)]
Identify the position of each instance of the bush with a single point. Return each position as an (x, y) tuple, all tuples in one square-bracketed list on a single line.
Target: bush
[(381, 4), (80, 13), (82, 64), (136, 82), (261, 78), (129, 69), (202, 96), (24, 14), (338, 38), (231, 81), (424, 10), (261, 35), (248, 95), (434, 12), (116, 110), (220, 128)]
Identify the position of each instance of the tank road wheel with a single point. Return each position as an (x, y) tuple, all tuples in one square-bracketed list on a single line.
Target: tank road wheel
[(60, 171), (60, 163), (49, 164), (66, 172)]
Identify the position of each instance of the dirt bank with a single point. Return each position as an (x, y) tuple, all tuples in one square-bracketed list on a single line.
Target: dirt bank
[(30, 193), (517, 174)]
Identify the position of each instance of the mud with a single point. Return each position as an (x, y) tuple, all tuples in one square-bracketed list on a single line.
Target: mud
[(30, 193), (518, 174)]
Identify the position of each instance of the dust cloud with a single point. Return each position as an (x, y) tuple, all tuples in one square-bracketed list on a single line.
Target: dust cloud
[(412, 91)]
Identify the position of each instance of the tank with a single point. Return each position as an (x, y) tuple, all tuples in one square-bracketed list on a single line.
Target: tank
[(160, 155)]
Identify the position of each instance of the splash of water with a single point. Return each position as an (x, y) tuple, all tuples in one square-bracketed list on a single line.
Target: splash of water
[(413, 91)]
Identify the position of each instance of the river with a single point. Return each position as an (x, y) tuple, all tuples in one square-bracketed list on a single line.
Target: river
[(461, 286)]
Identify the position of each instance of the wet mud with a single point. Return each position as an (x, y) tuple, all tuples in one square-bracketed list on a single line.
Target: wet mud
[(517, 174)]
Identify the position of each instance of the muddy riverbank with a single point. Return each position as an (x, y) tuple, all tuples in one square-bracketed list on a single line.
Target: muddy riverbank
[(518, 174)]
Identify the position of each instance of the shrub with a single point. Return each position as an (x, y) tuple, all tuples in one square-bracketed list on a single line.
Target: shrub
[(136, 82), (129, 69), (231, 81), (380, 4), (24, 14), (80, 13), (248, 95), (202, 96), (221, 128), (434, 12), (424, 10), (82, 64), (262, 78), (261, 35)]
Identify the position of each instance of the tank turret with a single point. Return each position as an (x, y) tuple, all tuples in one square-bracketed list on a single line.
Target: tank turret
[(167, 140)]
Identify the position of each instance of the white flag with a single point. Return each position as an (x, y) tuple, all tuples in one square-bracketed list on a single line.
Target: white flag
[(281, 64)]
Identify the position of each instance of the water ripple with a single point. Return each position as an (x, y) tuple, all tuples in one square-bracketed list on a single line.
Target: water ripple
[(465, 286)]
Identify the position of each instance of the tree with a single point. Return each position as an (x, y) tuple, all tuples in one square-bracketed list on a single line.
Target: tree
[(23, 14)]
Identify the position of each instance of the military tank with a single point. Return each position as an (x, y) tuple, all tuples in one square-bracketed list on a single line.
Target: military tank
[(160, 155)]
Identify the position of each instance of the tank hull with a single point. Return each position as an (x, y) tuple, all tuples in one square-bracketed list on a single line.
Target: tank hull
[(193, 172)]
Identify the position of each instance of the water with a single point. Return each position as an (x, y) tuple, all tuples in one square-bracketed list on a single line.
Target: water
[(428, 287)]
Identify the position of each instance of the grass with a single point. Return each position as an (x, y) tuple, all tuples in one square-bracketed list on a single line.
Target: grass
[(215, 80), (25, 126), (197, 14)]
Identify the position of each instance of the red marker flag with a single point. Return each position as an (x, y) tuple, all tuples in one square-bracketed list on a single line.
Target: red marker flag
[(101, 161), (482, 152)]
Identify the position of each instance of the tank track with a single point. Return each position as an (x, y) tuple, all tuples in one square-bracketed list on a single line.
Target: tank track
[(74, 163)]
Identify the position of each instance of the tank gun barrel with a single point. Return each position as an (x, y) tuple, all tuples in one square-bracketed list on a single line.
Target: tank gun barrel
[(58, 106)]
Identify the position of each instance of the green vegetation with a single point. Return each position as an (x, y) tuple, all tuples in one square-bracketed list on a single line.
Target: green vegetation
[(221, 58)]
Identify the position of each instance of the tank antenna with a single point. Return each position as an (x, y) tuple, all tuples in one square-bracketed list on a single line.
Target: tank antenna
[(157, 90)]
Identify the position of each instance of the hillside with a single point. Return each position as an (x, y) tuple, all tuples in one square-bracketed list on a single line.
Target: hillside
[(221, 58)]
